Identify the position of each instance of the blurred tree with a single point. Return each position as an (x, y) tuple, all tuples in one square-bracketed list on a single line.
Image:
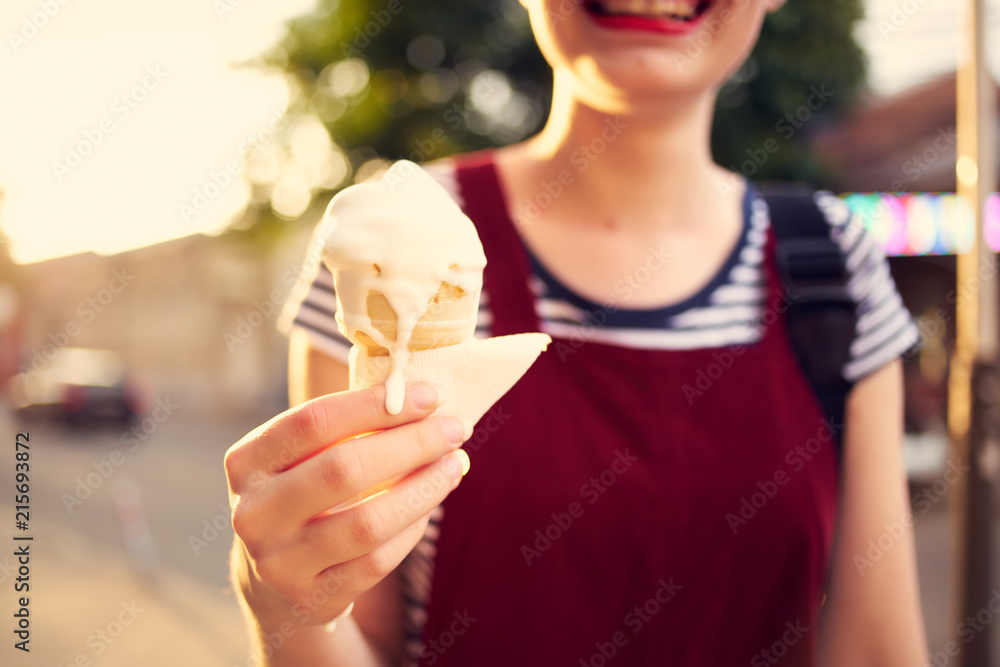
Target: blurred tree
[(395, 78), (384, 75), (807, 55)]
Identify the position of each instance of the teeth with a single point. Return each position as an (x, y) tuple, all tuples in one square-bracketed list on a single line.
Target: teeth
[(675, 8)]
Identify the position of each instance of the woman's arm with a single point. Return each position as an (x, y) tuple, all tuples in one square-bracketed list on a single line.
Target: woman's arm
[(872, 612), (311, 372)]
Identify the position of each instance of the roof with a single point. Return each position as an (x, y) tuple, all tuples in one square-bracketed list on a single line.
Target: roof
[(901, 142)]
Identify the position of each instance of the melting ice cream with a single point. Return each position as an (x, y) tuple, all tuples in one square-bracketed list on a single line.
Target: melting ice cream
[(408, 268)]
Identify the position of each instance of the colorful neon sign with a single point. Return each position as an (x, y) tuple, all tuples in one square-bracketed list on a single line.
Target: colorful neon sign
[(923, 223)]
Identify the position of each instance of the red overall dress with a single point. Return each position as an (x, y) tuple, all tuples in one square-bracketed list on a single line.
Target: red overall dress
[(613, 517)]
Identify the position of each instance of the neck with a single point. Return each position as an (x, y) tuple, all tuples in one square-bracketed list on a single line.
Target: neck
[(632, 165)]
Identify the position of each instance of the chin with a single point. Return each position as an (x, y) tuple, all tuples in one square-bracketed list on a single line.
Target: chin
[(648, 49)]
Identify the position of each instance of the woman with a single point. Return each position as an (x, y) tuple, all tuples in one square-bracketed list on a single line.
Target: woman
[(611, 513)]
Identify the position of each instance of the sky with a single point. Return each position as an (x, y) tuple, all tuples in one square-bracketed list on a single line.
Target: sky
[(147, 91), (124, 123), (908, 41)]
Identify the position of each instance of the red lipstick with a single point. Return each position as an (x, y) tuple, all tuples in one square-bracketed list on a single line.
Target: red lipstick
[(663, 26)]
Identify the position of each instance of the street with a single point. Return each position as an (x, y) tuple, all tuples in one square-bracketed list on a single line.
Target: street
[(101, 595)]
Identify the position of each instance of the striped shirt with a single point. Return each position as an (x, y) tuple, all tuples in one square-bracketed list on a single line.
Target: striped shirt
[(727, 311)]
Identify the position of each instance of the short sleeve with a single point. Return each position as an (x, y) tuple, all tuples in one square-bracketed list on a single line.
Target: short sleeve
[(312, 306), (885, 329)]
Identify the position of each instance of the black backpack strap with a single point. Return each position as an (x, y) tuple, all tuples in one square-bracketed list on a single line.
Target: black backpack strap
[(822, 317)]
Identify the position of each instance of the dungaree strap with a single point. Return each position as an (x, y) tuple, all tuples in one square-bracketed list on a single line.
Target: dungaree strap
[(505, 279)]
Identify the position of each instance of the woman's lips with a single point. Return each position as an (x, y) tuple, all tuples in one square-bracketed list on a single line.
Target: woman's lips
[(672, 17)]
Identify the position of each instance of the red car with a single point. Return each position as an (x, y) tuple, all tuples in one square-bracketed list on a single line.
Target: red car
[(80, 385)]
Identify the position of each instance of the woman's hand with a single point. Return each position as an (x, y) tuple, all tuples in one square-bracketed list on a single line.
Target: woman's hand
[(298, 557)]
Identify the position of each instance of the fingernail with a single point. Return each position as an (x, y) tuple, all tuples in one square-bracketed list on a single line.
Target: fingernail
[(454, 429), (422, 396), (457, 464)]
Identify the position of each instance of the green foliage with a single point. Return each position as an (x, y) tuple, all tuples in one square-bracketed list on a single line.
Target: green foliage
[(805, 46), (423, 58), (427, 97)]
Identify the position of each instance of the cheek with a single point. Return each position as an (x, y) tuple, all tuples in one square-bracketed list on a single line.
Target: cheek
[(559, 37)]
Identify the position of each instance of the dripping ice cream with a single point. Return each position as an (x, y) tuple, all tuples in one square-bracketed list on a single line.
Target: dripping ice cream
[(407, 266)]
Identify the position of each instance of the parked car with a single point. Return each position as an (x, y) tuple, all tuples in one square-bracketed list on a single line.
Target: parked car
[(80, 385)]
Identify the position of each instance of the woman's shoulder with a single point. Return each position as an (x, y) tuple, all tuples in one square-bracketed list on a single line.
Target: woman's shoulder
[(885, 329), (445, 172), (844, 227)]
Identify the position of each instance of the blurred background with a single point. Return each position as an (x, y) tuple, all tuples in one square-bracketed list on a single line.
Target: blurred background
[(162, 166)]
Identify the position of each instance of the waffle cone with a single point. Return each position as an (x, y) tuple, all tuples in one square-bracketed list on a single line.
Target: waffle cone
[(469, 376), (450, 318)]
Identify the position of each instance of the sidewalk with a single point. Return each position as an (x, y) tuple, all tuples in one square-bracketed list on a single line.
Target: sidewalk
[(89, 609)]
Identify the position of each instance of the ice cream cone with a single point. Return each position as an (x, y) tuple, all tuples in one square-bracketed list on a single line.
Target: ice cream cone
[(408, 271), (450, 318), (469, 376)]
